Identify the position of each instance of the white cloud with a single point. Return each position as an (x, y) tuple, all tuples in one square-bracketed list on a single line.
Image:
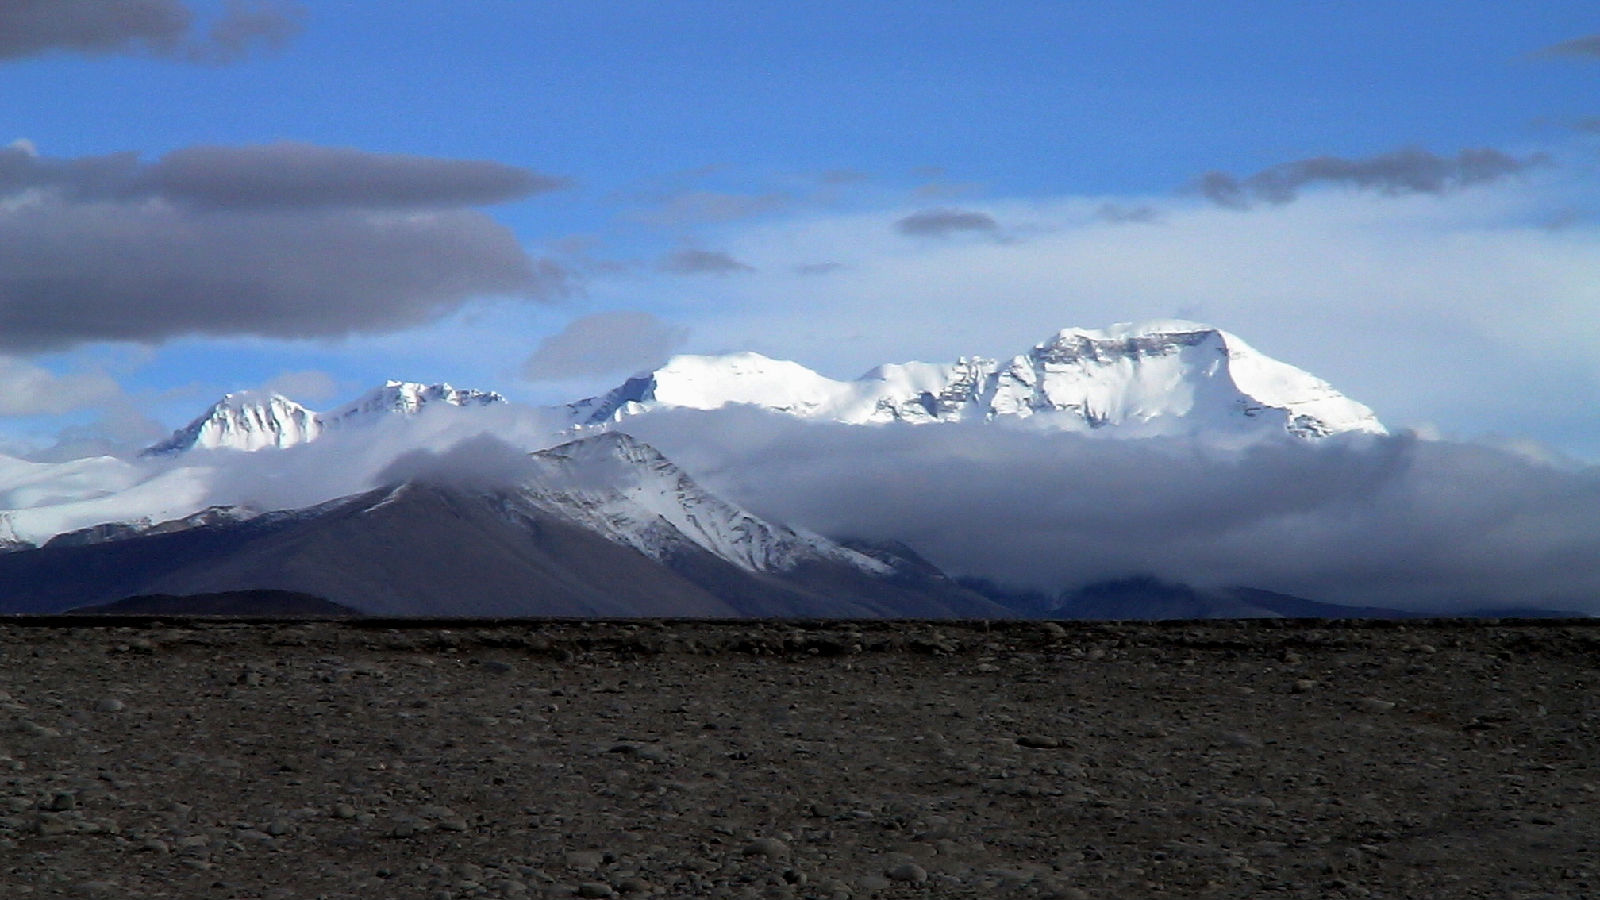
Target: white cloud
[(603, 343), (30, 390), (304, 386), (1457, 308)]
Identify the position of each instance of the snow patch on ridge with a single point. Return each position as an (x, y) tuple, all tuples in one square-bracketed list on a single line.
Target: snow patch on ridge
[(626, 490), (1159, 377), (245, 421), (407, 398), (249, 421)]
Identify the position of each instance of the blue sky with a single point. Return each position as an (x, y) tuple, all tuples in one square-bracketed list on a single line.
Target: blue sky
[(542, 198)]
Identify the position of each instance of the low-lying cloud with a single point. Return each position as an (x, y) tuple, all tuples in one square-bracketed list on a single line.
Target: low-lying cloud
[(1392, 521), (168, 29), (286, 240), (479, 462), (1407, 171), (29, 390)]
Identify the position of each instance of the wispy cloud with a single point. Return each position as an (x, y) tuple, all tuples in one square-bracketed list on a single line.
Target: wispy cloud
[(1408, 171), (604, 343), (703, 262), (27, 389), (711, 207), (1587, 47), (162, 28), (942, 222)]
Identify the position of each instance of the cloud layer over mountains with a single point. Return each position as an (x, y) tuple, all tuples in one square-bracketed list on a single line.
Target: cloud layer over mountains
[(1391, 521)]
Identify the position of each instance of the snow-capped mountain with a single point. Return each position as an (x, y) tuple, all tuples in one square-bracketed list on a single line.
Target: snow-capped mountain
[(1151, 378), (251, 420), (625, 489), (600, 526), (407, 398), (248, 420)]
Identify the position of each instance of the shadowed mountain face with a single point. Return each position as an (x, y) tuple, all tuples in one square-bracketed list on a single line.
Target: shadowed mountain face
[(426, 550), (228, 604)]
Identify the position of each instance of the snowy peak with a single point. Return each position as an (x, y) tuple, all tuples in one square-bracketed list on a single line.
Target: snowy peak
[(253, 420), (408, 398), (246, 421), (1151, 378), (626, 490), (711, 382)]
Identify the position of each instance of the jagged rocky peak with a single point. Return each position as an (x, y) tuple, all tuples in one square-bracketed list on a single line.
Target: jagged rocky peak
[(257, 420), (628, 491), (1151, 378), (409, 398), (247, 420)]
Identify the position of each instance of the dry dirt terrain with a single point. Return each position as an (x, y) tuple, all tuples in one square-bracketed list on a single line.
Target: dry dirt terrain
[(805, 760)]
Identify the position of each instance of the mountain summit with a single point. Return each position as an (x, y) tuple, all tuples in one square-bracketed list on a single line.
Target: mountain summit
[(248, 420), (408, 398), (253, 420), (1151, 378)]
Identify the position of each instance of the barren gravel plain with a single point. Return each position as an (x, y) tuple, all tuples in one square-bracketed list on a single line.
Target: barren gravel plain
[(799, 760)]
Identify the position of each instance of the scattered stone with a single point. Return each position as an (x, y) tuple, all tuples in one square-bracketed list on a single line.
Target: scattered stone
[(585, 859), (1240, 740), (109, 705), (911, 873), (825, 777), (34, 729), (770, 848), (405, 828)]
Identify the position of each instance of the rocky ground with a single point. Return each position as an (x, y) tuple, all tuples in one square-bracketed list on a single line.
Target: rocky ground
[(820, 760)]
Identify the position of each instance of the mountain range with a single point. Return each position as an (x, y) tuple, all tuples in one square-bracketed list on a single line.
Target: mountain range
[(1155, 378), (601, 523)]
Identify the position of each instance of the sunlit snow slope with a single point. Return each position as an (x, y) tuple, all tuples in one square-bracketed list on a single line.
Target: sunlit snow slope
[(1151, 378)]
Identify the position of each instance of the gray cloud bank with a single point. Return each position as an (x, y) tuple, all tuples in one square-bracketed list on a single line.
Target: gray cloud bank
[(286, 240), (161, 28), (1391, 521), (1407, 171)]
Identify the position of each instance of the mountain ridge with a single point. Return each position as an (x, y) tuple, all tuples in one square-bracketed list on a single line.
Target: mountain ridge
[(254, 420), (602, 525), (1165, 376)]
